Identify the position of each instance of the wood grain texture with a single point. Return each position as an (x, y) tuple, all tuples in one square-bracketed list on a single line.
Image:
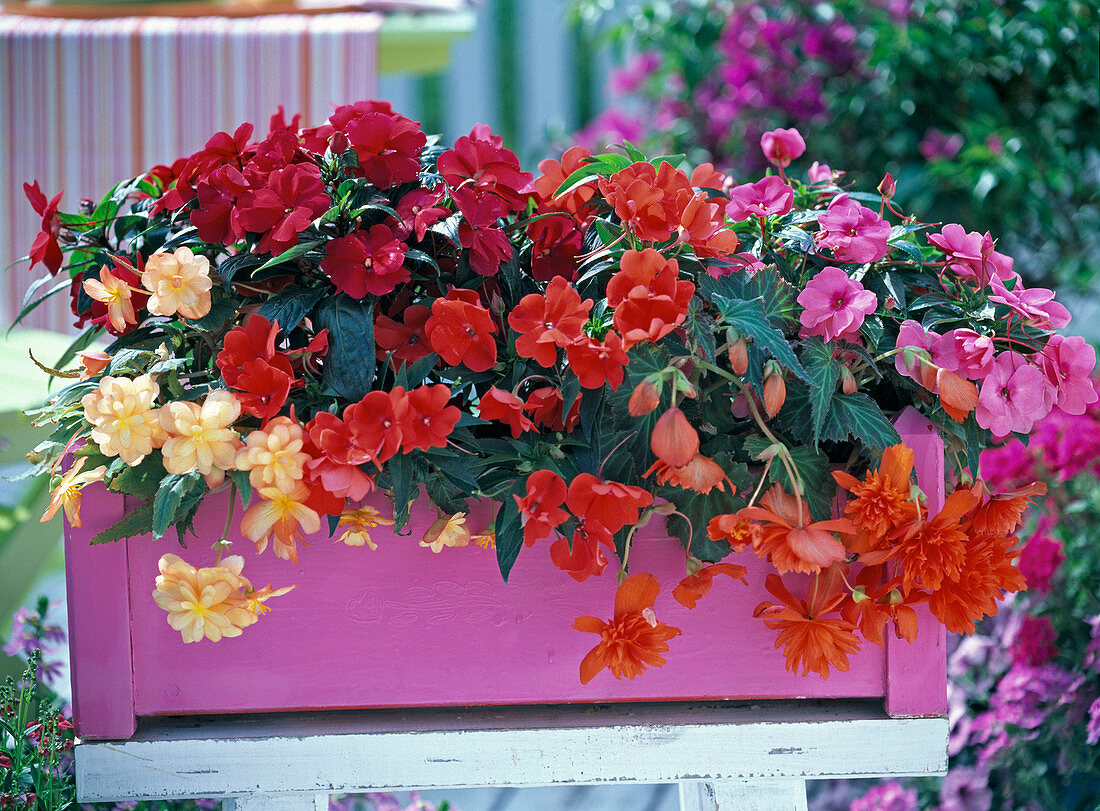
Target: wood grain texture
[(509, 746), (277, 802), (744, 795)]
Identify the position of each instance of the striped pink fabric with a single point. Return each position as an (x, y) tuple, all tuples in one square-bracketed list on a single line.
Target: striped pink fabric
[(86, 103)]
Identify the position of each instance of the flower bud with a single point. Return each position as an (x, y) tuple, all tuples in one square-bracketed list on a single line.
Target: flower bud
[(848, 381), (644, 399), (887, 186), (775, 388), (739, 356), (339, 143), (894, 597), (859, 594), (674, 441)]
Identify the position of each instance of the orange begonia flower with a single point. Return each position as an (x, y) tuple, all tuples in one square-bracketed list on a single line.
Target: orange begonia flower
[(702, 474), (1003, 513), (633, 638), (875, 606), (695, 586), (355, 524), (933, 550), (805, 634), (790, 539), (447, 530), (736, 530), (673, 440), (283, 517), (985, 572), (883, 501), (958, 396)]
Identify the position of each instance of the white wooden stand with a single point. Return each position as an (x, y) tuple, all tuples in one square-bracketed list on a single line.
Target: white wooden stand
[(725, 755)]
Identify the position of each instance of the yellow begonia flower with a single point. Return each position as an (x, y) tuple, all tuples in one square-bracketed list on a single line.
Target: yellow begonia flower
[(67, 493), (281, 517), (124, 422), (115, 293), (448, 530), (179, 283), (273, 455), (199, 437), (358, 522)]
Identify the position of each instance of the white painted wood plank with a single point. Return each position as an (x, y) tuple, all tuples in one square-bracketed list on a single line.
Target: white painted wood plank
[(744, 795), (510, 746), (277, 802)]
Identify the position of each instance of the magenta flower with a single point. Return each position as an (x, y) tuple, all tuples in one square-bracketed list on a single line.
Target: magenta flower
[(970, 255), (1093, 729), (291, 200), (937, 145), (366, 262), (1068, 363), (836, 305), (972, 353), (920, 343), (1040, 558), (782, 146), (891, 796), (1035, 305), (760, 199), (1035, 642), (1012, 395), (820, 173), (966, 789), (852, 232)]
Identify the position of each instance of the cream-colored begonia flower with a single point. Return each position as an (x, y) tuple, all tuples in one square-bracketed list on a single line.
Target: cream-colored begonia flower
[(281, 517), (179, 283), (199, 437), (124, 422), (357, 522), (115, 293), (273, 455), (67, 493), (203, 603), (448, 530)]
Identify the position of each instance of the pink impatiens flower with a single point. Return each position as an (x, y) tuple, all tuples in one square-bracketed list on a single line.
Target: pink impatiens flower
[(820, 173), (1012, 395), (836, 305), (760, 199), (852, 232), (1035, 305), (1068, 363), (970, 255), (972, 353), (782, 146)]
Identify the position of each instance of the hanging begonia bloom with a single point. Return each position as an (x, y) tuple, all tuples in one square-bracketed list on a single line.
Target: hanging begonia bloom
[(933, 550), (695, 586), (447, 530), (633, 638), (199, 437), (546, 322), (835, 305), (540, 508), (124, 422), (781, 146), (805, 634), (1003, 513), (736, 530), (115, 294), (357, 523), (497, 404), (644, 399), (425, 418), (94, 361), (179, 282), (883, 501), (702, 474), (282, 517), (273, 455), (790, 539), (366, 262), (876, 608), (66, 495), (985, 573), (460, 330), (673, 440), (203, 603)]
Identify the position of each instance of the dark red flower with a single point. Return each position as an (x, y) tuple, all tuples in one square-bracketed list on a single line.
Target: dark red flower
[(45, 248), (262, 388), (222, 149), (580, 558), (460, 330), (540, 508), (366, 262), (609, 504), (292, 198), (419, 210), (556, 244), (217, 197), (545, 406), (480, 163), (407, 339), (504, 406), (388, 146)]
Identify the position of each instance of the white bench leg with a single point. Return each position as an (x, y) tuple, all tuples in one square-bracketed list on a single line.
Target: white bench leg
[(277, 802), (744, 795)]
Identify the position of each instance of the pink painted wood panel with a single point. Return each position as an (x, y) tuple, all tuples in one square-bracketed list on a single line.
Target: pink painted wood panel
[(402, 626)]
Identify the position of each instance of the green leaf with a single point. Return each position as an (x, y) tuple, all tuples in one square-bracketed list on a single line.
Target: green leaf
[(301, 249), (823, 374), (699, 509), (243, 485), (858, 416), (138, 521), (422, 258), (175, 498), (291, 305), (350, 362), (509, 529), (229, 269), (749, 318), (813, 469), (700, 329), (405, 490), (142, 481), (221, 310)]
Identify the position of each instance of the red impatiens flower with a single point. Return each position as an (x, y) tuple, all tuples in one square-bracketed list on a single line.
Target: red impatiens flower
[(215, 215), (406, 339), (335, 458), (45, 248), (426, 420), (262, 388), (366, 262), (374, 426), (250, 364), (609, 504), (292, 198), (695, 586), (504, 406), (554, 174), (633, 638), (419, 210), (388, 146), (702, 221), (805, 633), (545, 406), (548, 321), (480, 163), (649, 298), (460, 330), (222, 149), (645, 198), (598, 362), (540, 509), (581, 556)]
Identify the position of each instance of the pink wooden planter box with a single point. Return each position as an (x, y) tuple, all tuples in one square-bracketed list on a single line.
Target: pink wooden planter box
[(402, 626)]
